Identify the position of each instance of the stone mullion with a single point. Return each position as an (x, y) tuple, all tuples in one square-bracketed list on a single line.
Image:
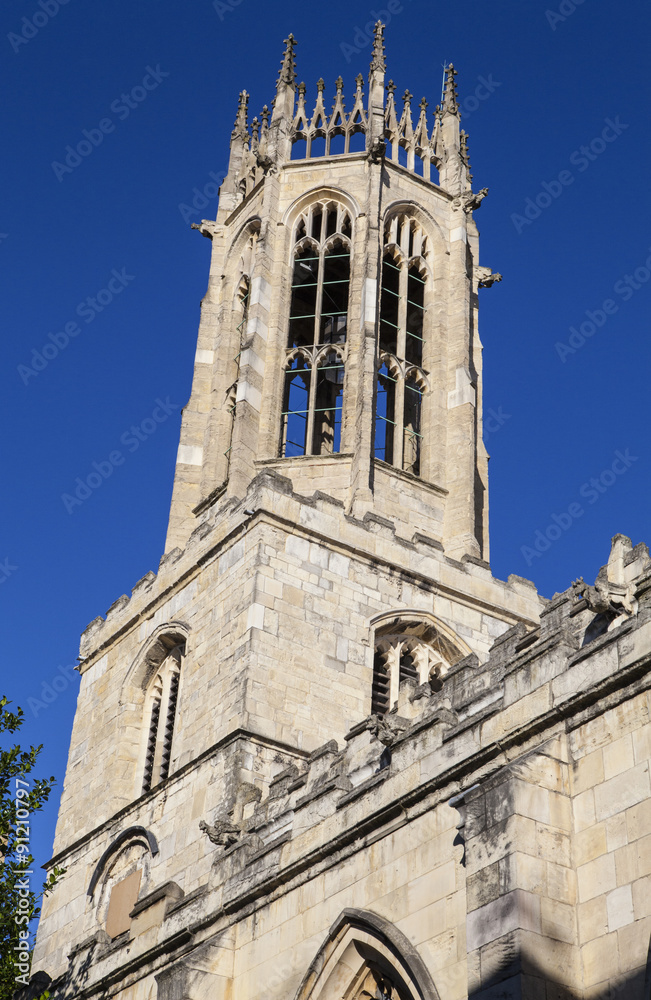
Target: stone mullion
[(399, 422), (311, 415), (393, 666), (359, 403), (433, 341)]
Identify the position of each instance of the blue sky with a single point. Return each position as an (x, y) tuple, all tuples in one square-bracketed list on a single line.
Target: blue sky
[(537, 81)]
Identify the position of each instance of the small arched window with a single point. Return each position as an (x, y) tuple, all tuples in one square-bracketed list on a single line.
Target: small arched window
[(318, 323), (408, 650), (160, 713), (401, 379)]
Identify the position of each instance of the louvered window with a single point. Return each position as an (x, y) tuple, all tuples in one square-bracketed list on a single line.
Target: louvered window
[(161, 715)]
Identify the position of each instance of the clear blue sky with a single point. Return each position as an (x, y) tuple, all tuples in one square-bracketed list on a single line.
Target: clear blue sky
[(553, 86)]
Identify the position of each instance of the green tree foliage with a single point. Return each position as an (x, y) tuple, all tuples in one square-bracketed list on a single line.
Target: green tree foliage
[(20, 796)]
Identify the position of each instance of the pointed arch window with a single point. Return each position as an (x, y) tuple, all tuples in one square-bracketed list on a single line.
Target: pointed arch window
[(318, 321), (408, 650), (401, 379), (160, 713)]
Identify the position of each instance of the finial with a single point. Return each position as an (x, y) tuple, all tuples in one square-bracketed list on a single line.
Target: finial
[(320, 85), (241, 121), (407, 97), (265, 116), (464, 150), (378, 62), (391, 87), (359, 80), (301, 89), (339, 84), (288, 67), (424, 104), (450, 102)]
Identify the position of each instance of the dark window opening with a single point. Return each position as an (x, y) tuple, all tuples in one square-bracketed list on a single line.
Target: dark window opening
[(389, 306), (415, 314), (408, 668), (296, 407), (328, 406), (317, 214), (302, 312), (385, 415), (331, 222), (411, 450), (380, 693), (334, 301)]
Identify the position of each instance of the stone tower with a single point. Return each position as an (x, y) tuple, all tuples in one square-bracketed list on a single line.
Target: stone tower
[(271, 729)]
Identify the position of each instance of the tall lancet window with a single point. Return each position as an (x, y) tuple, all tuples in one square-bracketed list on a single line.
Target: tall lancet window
[(318, 322), (160, 716), (401, 379)]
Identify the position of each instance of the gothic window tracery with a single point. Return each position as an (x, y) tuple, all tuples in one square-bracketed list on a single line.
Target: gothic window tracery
[(160, 714), (408, 651), (401, 379), (318, 319)]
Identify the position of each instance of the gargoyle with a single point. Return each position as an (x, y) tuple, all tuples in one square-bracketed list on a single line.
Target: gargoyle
[(388, 728), (597, 598), (489, 279), (206, 227), (473, 200), (223, 833), (377, 151)]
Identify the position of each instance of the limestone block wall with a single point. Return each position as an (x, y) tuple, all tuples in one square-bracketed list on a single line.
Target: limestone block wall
[(499, 825), (277, 609), (611, 758), (277, 619)]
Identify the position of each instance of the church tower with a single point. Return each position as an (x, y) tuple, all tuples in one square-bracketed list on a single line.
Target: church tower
[(325, 581)]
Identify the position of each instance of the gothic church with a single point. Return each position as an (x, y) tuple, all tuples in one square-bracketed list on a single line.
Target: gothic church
[(323, 754)]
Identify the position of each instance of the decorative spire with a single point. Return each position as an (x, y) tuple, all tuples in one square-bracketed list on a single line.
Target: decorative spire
[(391, 87), (450, 102), (422, 138), (288, 67), (464, 151), (241, 127), (320, 85), (378, 61)]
